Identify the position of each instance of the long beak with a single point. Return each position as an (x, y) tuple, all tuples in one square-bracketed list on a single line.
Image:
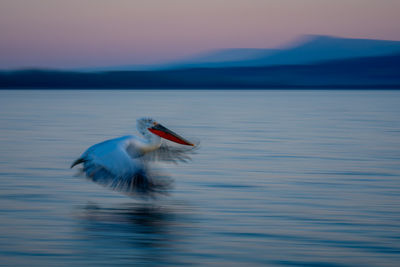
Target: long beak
[(163, 132)]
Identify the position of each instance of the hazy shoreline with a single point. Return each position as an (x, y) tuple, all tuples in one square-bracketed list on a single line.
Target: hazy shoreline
[(357, 73)]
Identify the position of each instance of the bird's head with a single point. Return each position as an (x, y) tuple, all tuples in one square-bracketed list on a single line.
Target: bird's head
[(148, 126)]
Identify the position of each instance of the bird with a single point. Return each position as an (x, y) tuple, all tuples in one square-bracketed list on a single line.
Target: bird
[(123, 164)]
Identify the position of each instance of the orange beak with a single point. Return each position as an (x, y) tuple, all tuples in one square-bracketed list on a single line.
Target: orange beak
[(165, 133)]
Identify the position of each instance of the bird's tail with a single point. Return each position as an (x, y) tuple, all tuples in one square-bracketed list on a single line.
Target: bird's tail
[(78, 161)]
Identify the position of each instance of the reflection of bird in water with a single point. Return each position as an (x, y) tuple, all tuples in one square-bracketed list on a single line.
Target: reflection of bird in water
[(149, 232), (122, 163), (144, 218)]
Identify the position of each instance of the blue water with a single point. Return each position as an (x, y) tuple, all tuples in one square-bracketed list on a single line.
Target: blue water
[(303, 178)]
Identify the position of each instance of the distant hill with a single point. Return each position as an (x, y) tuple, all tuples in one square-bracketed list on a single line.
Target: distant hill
[(322, 48), (309, 49), (234, 57), (378, 72), (306, 50)]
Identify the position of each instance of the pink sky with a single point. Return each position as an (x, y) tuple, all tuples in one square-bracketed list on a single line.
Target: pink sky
[(89, 33)]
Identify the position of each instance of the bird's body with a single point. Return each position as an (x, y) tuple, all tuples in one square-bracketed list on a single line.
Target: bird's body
[(122, 163)]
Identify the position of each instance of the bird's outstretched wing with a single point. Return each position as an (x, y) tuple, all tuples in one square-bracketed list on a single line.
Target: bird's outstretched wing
[(110, 165), (171, 153)]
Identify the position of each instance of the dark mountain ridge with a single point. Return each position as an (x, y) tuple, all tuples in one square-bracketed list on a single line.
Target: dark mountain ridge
[(364, 72)]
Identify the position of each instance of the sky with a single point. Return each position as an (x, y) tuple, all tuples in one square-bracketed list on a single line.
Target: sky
[(98, 33)]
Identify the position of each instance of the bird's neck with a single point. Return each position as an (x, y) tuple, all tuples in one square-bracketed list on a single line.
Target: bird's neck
[(151, 143)]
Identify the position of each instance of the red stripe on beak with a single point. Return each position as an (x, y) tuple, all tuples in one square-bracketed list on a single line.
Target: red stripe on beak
[(169, 135)]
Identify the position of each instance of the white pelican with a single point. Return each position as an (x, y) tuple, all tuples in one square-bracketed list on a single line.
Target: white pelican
[(121, 163)]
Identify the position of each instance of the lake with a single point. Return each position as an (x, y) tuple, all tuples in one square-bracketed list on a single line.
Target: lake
[(282, 178)]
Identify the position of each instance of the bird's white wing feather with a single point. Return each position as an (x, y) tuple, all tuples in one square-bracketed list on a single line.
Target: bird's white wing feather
[(109, 164), (112, 156), (170, 153)]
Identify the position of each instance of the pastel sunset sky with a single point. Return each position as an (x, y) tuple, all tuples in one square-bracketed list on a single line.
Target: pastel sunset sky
[(90, 33)]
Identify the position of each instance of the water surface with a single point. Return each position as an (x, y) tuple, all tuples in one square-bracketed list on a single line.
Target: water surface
[(300, 178)]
